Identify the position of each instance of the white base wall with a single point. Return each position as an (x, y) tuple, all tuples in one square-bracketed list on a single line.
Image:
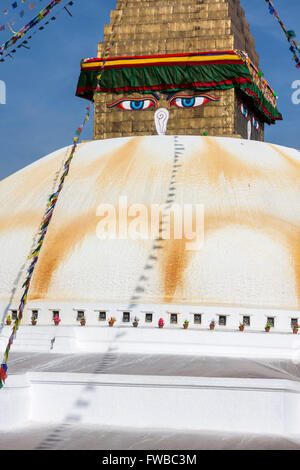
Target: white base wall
[(266, 407), (259, 406), (140, 340), (16, 402)]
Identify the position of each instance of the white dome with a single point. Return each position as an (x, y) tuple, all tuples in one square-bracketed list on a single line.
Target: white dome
[(251, 252)]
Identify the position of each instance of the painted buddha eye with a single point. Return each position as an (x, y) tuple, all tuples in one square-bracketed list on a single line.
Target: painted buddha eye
[(137, 104), (183, 101), (244, 110), (255, 124)]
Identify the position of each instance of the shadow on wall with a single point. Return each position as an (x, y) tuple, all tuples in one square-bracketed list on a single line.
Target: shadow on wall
[(83, 403)]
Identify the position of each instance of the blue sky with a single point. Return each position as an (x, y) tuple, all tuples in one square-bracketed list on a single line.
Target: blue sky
[(42, 112)]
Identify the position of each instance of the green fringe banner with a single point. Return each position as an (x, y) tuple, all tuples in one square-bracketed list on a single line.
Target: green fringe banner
[(177, 78)]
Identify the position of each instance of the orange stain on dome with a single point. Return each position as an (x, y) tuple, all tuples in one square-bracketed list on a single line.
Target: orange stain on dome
[(10, 222), (294, 165), (65, 237), (40, 176), (276, 228), (118, 170), (175, 259), (60, 243), (214, 161)]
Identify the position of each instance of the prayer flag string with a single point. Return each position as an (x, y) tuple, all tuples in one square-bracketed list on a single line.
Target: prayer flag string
[(34, 256), (26, 40), (24, 30), (16, 12), (290, 35)]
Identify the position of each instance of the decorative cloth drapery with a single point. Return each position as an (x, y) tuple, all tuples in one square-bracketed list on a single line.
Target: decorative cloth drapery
[(199, 71)]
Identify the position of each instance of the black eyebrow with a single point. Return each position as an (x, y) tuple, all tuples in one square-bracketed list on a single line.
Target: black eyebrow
[(155, 95), (145, 95), (170, 95)]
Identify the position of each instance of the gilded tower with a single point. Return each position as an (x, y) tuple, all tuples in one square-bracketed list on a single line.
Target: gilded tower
[(176, 28)]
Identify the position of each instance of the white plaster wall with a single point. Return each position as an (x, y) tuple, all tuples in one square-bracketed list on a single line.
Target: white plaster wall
[(79, 339), (15, 402), (231, 405)]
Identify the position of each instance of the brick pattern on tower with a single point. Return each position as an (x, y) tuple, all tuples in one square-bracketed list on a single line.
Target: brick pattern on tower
[(172, 27)]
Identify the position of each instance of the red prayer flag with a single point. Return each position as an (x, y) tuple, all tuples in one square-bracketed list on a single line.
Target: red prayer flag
[(3, 375)]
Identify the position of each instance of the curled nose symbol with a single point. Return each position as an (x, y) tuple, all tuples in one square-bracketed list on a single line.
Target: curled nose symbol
[(161, 118)]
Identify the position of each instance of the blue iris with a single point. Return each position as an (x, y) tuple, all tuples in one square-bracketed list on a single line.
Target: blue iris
[(188, 102), (137, 105)]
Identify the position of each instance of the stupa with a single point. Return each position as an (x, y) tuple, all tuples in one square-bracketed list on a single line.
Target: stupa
[(188, 47), (188, 71), (181, 69)]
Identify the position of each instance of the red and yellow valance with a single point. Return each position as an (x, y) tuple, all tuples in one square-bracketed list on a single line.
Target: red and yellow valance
[(202, 71)]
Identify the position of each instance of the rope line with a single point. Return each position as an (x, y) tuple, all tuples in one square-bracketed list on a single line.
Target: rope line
[(34, 256), (294, 46), (53, 199), (79, 407), (24, 30), (158, 242)]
